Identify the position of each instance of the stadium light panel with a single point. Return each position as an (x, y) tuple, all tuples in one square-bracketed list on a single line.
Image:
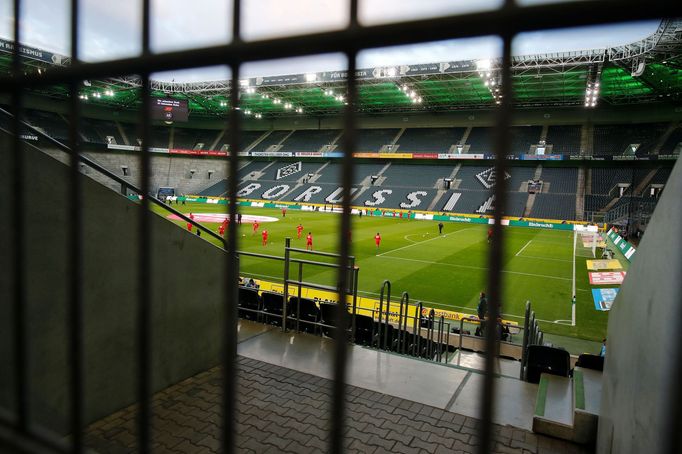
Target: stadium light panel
[(312, 77)]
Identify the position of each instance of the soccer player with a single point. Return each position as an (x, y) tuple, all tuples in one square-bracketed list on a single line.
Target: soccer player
[(377, 240), (490, 235), (440, 228), (309, 241), (255, 227), (265, 237), (239, 218), (221, 229), (299, 230), (284, 212)]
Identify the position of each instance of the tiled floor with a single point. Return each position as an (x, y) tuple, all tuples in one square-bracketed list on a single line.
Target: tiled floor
[(283, 410)]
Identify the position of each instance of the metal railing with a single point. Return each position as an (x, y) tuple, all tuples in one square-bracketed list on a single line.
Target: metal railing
[(505, 22)]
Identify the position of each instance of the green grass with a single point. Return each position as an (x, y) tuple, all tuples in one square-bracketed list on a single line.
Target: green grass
[(446, 271)]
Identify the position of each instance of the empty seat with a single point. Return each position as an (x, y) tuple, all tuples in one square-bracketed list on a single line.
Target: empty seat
[(328, 314), (249, 302), (305, 311), (273, 305), (588, 361), (543, 359), (364, 334)]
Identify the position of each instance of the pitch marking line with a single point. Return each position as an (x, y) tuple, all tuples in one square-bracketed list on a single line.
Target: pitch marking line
[(475, 267), (575, 241), (522, 249), (422, 242), (542, 258)]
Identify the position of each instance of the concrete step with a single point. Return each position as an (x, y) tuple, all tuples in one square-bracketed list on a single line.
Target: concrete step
[(554, 407), (568, 408), (586, 403)]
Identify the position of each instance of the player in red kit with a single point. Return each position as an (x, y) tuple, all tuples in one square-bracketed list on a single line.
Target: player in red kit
[(265, 237), (490, 234), (284, 212), (309, 241), (377, 240), (189, 224), (255, 227), (299, 230)]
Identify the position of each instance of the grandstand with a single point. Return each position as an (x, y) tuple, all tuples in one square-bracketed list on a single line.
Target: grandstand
[(153, 286)]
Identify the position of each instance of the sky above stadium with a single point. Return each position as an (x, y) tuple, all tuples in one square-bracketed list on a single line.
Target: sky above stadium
[(111, 29)]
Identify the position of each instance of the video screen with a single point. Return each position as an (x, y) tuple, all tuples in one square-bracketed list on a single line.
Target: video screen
[(169, 109)]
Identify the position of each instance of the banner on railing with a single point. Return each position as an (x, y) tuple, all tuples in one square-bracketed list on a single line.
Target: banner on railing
[(626, 248)]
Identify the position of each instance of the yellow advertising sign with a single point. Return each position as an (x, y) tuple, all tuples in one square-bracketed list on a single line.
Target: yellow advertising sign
[(365, 306), (596, 265)]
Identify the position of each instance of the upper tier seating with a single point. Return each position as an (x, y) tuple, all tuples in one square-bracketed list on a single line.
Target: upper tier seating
[(189, 138), (273, 138), (672, 141), (50, 122), (522, 137), (561, 181), (614, 139), (372, 139), (554, 206), (309, 139), (481, 140), (564, 139), (437, 140)]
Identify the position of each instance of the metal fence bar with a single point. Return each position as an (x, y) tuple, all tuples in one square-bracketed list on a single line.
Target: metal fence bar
[(21, 358), (520, 19), (144, 325), (338, 407), (495, 256), (75, 274), (229, 360)]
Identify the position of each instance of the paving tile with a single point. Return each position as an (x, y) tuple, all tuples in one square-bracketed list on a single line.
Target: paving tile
[(281, 410)]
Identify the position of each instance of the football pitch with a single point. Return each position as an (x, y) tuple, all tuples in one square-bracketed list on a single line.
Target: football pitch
[(445, 271)]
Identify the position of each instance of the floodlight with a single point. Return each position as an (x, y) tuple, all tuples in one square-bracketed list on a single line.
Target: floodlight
[(483, 65), (391, 72), (312, 77), (244, 83)]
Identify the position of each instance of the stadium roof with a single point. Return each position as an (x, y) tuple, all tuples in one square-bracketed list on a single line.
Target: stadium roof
[(649, 70)]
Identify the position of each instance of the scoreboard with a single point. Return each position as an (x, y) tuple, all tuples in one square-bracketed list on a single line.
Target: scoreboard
[(169, 109)]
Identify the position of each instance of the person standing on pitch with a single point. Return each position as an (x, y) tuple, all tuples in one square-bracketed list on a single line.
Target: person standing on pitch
[(377, 240), (440, 228), (490, 235), (299, 230), (239, 218), (309, 241), (284, 212), (255, 227), (265, 237)]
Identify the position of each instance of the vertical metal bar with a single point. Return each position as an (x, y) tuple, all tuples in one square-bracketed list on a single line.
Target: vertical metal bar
[(441, 324), (20, 339), (287, 257), (447, 343), (355, 300), (400, 322), (419, 324), (75, 319), (388, 315), (144, 325), (524, 346), (298, 302), (229, 360), (495, 257), (338, 409), (429, 350)]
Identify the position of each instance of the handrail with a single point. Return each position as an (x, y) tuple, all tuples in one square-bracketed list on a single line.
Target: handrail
[(94, 165)]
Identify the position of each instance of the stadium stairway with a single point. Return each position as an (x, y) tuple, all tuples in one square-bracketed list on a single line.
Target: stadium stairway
[(568, 407)]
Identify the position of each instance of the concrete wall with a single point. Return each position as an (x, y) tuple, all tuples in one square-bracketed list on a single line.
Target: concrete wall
[(641, 382), (186, 294)]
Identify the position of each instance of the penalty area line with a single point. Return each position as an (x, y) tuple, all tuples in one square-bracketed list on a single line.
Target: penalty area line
[(422, 242), (522, 249)]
